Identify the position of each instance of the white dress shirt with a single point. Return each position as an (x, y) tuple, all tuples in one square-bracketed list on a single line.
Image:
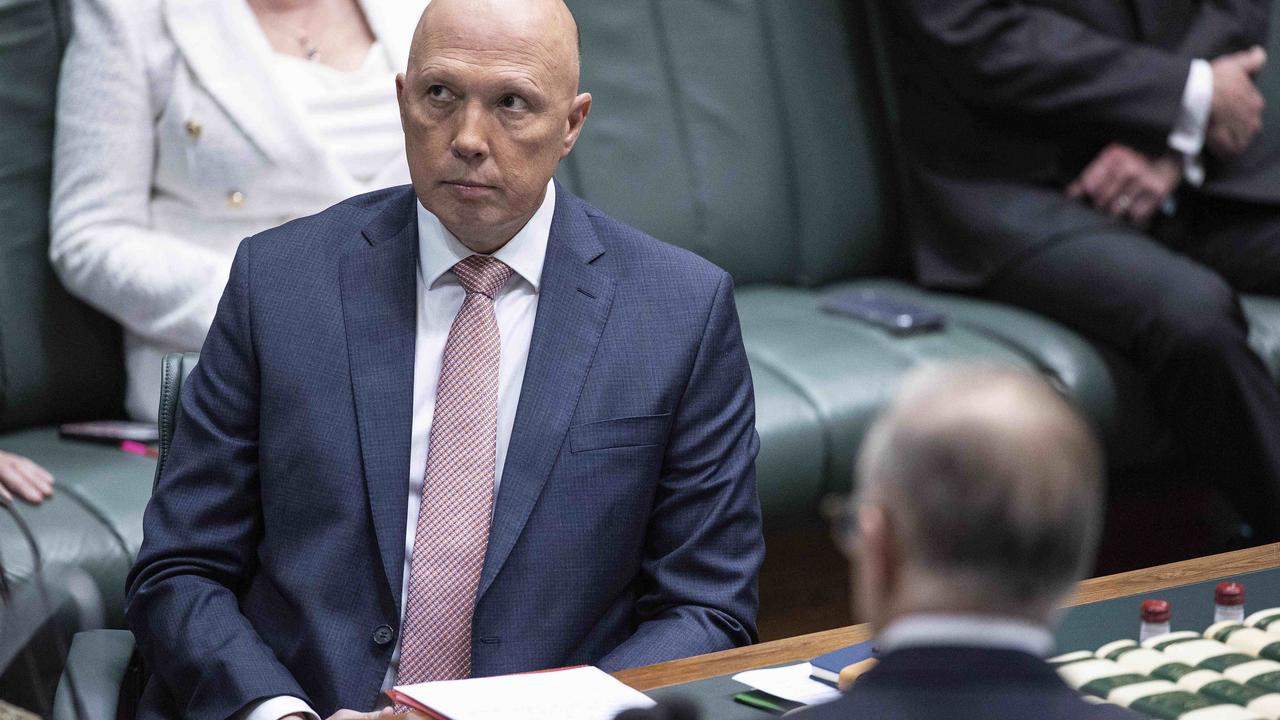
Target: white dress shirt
[(440, 297), (1188, 134), (960, 630)]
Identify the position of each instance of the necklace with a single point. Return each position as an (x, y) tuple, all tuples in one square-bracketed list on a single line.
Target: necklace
[(310, 49)]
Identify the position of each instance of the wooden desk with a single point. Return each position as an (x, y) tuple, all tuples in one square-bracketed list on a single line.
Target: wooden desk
[(805, 647)]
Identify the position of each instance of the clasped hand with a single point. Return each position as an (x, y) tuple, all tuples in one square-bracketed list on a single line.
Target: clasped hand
[(1235, 114), (1126, 184)]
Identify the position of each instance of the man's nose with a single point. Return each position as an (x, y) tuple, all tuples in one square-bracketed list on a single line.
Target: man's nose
[(469, 141)]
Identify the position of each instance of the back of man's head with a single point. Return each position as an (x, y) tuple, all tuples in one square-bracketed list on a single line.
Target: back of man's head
[(979, 491)]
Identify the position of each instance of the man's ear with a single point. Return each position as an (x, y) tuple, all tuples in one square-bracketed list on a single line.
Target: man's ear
[(873, 530), (400, 98), (578, 112), (878, 556)]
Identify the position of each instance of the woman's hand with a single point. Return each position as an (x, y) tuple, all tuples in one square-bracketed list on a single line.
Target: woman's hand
[(19, 476)]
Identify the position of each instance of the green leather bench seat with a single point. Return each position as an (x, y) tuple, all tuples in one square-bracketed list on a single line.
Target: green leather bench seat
[(1108, 390), (789, 469), (98, 662), (59, 362), (817, 353), (93, 520)]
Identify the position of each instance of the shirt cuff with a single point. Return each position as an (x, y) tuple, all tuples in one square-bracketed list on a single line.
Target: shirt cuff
[(1188, 134), (276, 708)]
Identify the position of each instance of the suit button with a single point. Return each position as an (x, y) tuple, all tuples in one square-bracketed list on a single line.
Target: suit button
[(194, 128), (383, 634), (235, 199)]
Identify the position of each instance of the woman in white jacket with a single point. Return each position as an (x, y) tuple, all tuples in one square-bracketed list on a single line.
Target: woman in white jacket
[(184, 126)]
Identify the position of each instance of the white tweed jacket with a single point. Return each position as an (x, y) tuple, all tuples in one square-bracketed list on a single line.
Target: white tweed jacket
[(172, 144)]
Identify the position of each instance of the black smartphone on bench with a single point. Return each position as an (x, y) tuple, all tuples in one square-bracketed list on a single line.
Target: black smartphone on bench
[(895, 316)]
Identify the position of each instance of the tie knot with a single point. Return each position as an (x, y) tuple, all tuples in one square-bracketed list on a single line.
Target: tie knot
[(482, 274)]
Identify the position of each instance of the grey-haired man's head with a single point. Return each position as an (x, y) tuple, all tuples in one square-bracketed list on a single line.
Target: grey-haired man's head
[(979, 491)]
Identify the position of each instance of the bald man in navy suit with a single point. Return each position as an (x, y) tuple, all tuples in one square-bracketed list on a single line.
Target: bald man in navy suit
[(469, 427)]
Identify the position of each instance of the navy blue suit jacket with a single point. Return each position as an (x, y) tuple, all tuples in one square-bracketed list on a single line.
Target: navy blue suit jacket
[(927, 683), (626, 530)]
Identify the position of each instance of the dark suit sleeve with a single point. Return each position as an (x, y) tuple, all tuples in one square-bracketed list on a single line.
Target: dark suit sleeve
[(1225, 26), (697, 588), (202, 528), (1018, 60)]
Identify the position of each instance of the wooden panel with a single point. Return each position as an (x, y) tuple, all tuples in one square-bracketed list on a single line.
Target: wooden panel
[(1174, 574), (804, 647), (728, 662)]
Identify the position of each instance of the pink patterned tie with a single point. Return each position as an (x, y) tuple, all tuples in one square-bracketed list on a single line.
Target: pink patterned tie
[(457, 495)]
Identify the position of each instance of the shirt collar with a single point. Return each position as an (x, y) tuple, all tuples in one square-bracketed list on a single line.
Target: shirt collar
[(439, 250), (984, 631)]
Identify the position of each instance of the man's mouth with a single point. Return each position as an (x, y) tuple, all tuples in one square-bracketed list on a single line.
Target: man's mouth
[(468, 184), (468, 190)]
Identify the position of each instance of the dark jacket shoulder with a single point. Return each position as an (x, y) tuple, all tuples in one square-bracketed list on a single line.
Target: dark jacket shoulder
[(633, 252), (326, 236), (977, 683)]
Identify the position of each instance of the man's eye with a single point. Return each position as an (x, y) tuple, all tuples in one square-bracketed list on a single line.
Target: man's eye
[(439, 92), (512, 102)]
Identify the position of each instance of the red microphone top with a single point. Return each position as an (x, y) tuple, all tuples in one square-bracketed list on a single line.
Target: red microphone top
[(1229, 593), (1155, 611)]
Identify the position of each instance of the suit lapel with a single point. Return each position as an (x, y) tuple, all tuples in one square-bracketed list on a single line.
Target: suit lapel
[(573, 306), (380, 311), (227, 52)]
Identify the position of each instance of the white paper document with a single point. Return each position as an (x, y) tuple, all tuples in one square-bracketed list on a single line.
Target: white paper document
[(584, 693), (791, 682)]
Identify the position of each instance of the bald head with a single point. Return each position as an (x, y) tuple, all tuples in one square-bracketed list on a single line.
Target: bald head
[(544, 30), (991, 482), (490, 106)]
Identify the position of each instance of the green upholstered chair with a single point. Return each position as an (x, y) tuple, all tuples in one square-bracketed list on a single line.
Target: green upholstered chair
[(755, 134), (59, 361), (760, 135), (173, 372), (99, 660), (96, 667)]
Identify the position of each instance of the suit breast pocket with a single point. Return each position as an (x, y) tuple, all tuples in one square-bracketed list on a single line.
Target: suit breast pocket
[(624, 432)]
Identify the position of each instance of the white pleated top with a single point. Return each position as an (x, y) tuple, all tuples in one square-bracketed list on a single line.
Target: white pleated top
[(353, 113)]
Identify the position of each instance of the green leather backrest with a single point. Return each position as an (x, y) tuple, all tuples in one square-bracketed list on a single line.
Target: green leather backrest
[(59, 360), (744, 130), (173, 373)]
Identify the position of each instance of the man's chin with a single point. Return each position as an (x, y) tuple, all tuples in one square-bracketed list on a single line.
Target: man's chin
[(461, 213)]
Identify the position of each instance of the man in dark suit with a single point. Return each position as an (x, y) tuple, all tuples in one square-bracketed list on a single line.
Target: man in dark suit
[(466, 428), (1100, 162), (979, 505)]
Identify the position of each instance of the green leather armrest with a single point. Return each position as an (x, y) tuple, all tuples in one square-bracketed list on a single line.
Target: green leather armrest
[(96, 665), (177, 366)]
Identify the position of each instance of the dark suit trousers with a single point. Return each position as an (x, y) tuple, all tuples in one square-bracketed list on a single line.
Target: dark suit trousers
[(1169, 305)]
